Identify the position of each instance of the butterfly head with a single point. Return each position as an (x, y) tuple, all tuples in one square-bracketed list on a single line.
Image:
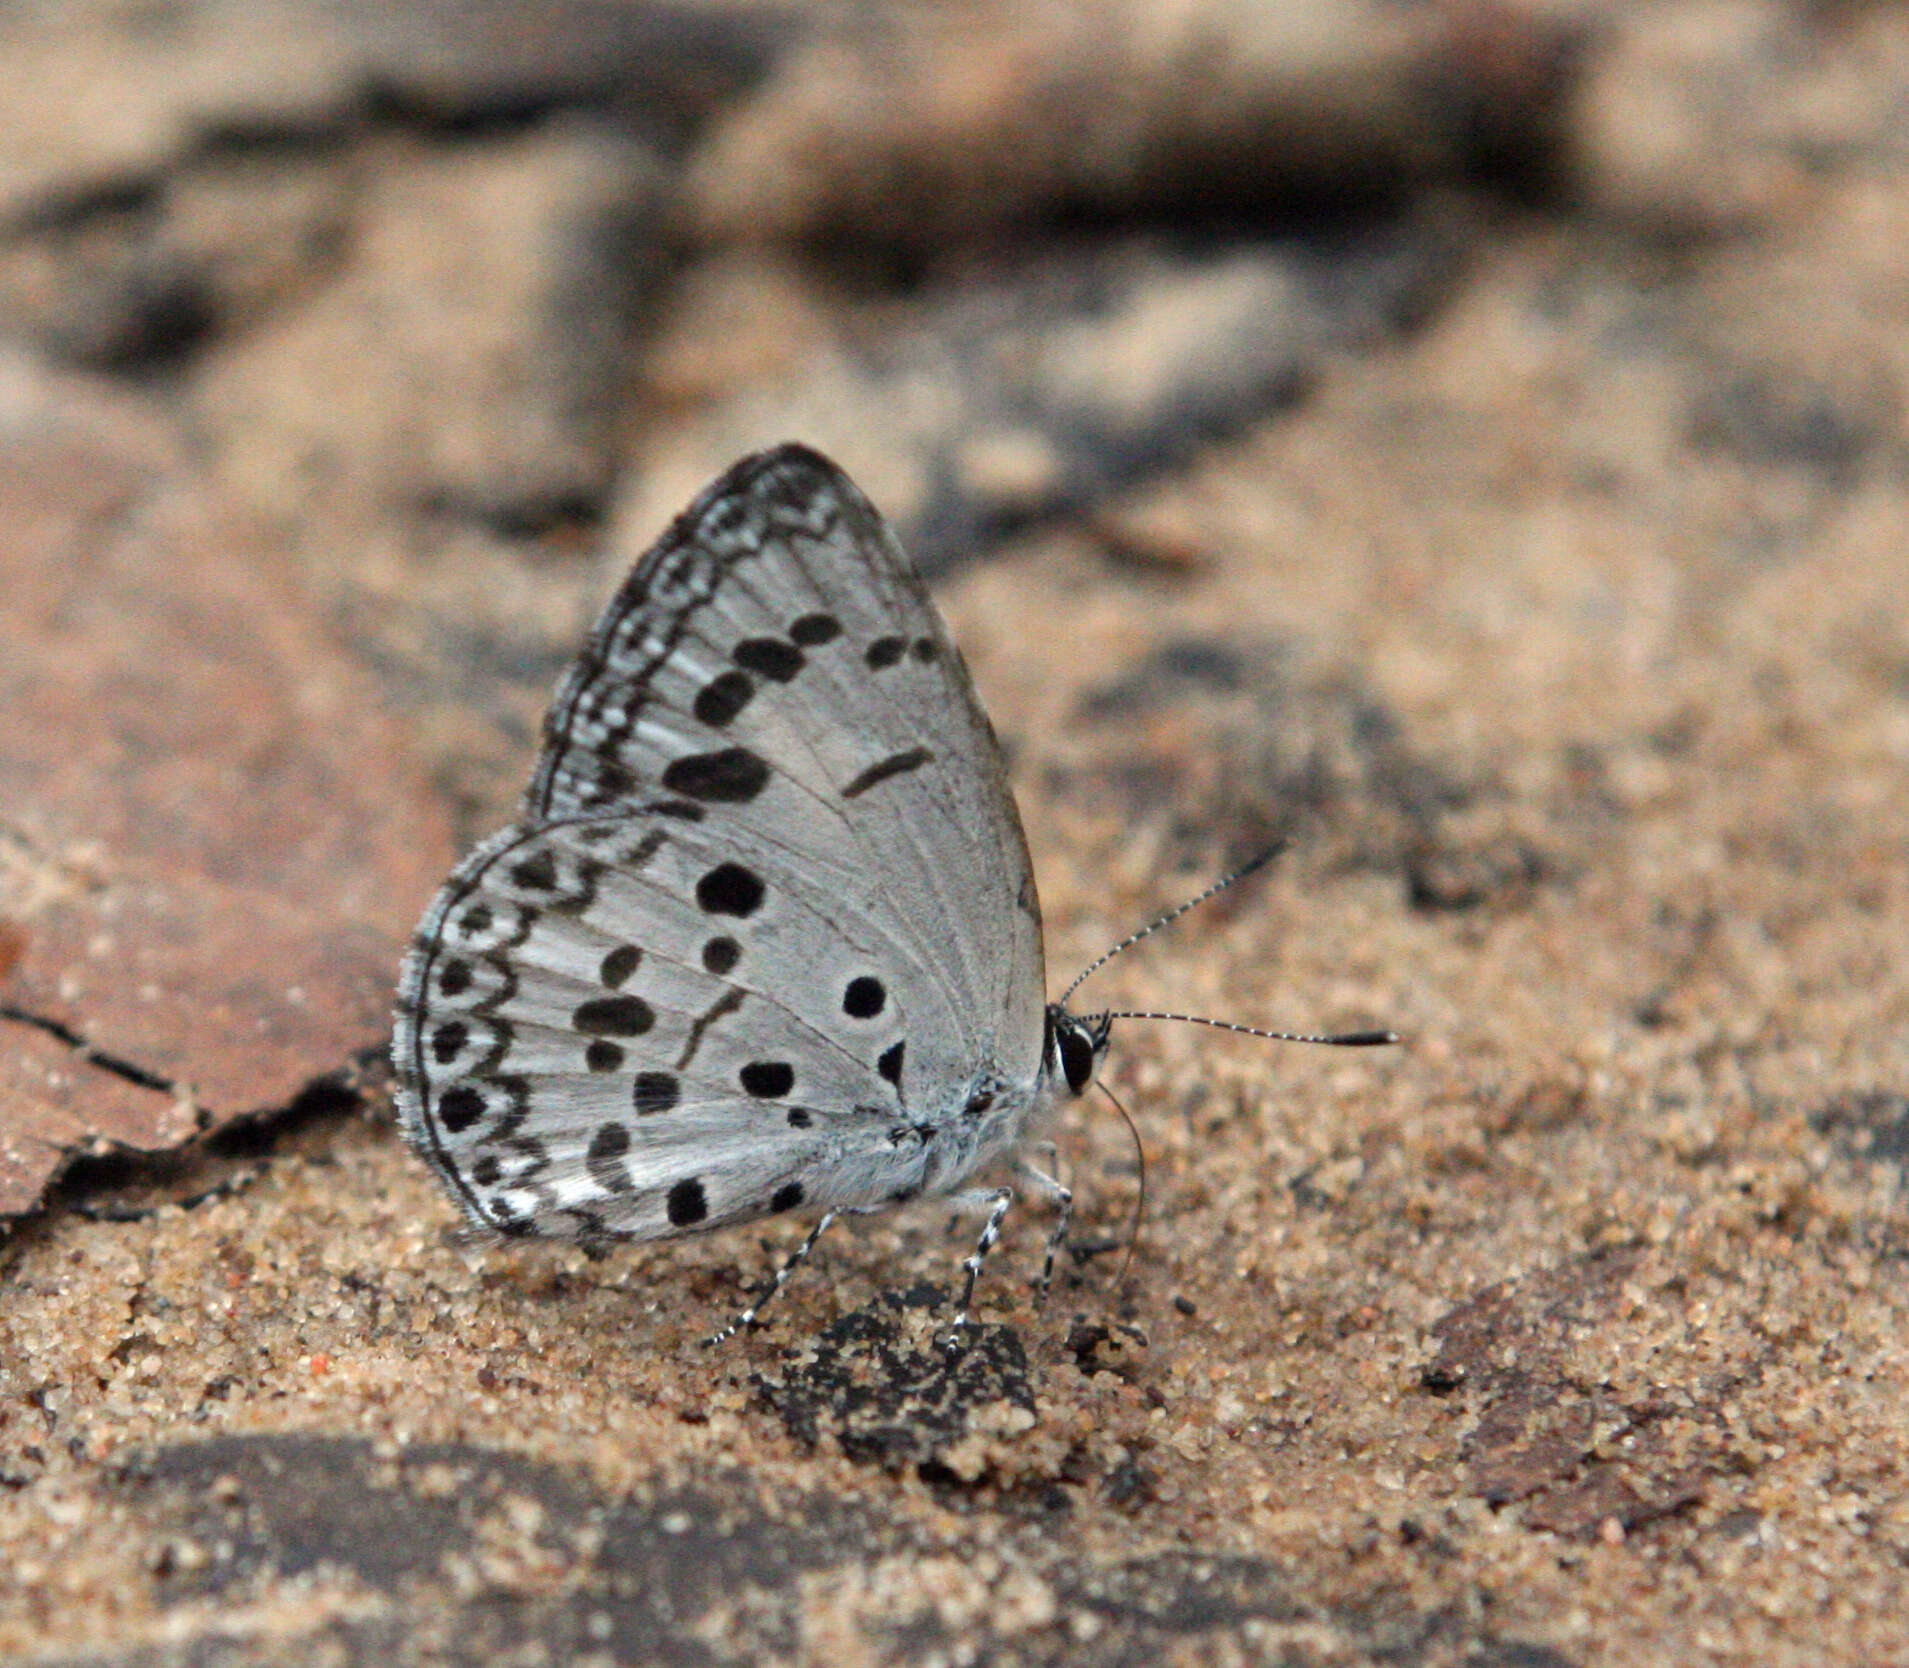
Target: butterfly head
[(1076, 1044)]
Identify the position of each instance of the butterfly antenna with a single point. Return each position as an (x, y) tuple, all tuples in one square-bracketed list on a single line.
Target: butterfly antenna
[(1336, 1039), (1140, 1200), (1251, 866)]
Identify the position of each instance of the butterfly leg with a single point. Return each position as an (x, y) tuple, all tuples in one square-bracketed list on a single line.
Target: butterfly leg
[(997, 1203), (1061, 1197), (747, 1318)]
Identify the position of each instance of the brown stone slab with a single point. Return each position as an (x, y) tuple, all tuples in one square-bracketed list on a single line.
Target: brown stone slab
[(214, 843), (51, 1100)]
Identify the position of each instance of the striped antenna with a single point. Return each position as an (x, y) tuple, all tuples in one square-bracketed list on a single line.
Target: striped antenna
[(1251, 866), (1338, 1039)]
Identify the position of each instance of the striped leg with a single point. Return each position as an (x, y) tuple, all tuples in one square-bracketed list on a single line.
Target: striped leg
[(997, 1203), (800, 1254), (1062, 1198)]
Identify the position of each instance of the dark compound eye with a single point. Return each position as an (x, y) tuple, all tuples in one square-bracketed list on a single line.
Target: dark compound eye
[(1077, 1055)]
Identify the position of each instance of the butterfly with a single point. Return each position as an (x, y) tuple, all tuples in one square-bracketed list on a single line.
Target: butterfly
[(764, 936)]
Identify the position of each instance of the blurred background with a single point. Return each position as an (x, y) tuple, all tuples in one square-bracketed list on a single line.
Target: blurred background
[(466, 299), (1468, 439)]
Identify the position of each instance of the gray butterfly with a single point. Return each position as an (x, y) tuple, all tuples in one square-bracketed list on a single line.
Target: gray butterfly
[(764, 936)]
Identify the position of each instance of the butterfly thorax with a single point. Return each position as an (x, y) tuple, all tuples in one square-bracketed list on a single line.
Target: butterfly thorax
[(939, 1148), (998, 1113), (992, 1115)]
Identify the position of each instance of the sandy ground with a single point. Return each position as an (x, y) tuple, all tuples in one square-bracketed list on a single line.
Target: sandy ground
[(1525, 543)]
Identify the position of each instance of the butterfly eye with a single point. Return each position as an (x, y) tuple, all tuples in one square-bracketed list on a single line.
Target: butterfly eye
[(1077, 1054)]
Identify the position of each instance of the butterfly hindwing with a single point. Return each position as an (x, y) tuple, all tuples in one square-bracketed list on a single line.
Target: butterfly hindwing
[(568, 1075), (767, 906)]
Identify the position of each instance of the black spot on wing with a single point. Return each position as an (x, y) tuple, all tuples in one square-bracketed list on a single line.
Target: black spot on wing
[(686, 1204), (769, 657), (613, 1016), (896, 764), (680, 808), (638, 855), (725, 695), (730, 776), (813, 630), (864, 997), (611, 779), (729, 889), (605, 1158), (619, 964), (465, 1105), (537, 873), (603, 1055), (767, 1079), (656, 1091), (459, 1107), (786, 1197), (884, 652), (889, 1065)]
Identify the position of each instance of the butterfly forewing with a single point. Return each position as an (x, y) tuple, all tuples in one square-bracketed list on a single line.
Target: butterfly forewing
[(777, 645), (768, 886)]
